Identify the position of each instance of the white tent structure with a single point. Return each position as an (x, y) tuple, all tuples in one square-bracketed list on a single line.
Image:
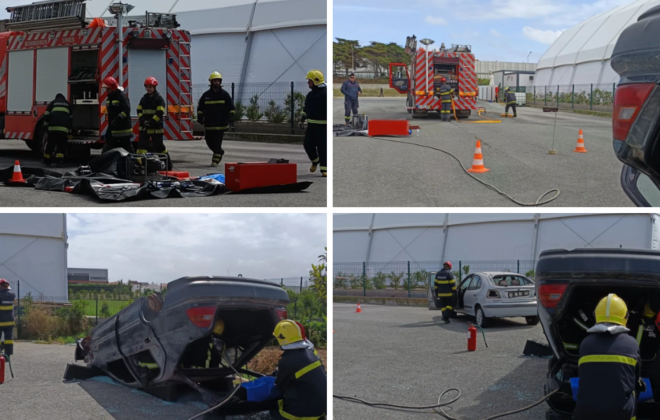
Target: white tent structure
[(581, 55), (247, 41)]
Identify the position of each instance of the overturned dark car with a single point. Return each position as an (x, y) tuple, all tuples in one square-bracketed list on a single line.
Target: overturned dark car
[(569, 286), (155, 344)]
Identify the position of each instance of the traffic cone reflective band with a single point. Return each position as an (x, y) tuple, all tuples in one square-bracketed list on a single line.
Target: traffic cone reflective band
[(478, 161), (358, 310), (580, 144), (17, 176)]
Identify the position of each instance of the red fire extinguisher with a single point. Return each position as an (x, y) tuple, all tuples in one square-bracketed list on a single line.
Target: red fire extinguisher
[(2, 370), (472, 338)]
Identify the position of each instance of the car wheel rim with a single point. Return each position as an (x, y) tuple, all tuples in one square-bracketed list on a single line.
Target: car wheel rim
[(480, 317)]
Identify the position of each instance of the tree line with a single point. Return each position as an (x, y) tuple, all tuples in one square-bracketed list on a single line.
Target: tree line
[(349, 54)]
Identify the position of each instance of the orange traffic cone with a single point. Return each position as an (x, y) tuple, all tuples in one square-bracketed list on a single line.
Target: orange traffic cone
[(358, 310), (17, 176), (478, 161), (580, 144)]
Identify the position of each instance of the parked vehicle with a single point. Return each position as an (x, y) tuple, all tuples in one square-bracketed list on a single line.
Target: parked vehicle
[(569, 285), (162, 334), (490, 295)]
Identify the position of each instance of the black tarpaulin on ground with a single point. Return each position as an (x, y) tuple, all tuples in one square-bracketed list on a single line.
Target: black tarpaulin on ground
[(6, 175)]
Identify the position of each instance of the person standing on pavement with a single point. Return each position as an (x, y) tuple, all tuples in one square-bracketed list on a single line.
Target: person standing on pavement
[(446, 92), (7, 316), (315, 113), (497, 93), (58, 120), (610, 366), (120, 127), (151, 113), (445, 290), (351, 90), (215, 111), (510, 102)]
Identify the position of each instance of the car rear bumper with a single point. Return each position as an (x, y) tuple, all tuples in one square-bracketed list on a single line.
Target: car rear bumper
[(508, 310)]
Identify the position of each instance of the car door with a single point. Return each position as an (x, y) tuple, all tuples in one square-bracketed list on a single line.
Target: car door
[(470, 294), (462, 288)]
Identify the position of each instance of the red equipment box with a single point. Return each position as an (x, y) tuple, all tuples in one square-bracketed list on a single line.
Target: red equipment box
[(389, 128), (244, 175)]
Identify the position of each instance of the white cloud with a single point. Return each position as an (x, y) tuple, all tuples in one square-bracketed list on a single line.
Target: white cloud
[(495, 34), (435, 20), (544, 37)]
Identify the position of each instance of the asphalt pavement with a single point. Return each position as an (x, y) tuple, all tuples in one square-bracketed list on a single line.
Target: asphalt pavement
[(191, 156), (371, 172), (38, 392), (406, 355)]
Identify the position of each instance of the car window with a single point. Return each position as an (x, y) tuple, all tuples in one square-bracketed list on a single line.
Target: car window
[(509, 280), (466, 282), (476, 283)]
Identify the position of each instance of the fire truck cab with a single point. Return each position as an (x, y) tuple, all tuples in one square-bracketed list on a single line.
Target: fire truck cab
[(50, 48), (420, 79)]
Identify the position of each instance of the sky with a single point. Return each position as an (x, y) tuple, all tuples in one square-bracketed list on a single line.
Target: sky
[(163, 247), (498, 30)]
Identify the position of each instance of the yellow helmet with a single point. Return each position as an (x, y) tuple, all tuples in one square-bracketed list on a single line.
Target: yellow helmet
[(219, 326), (316, 76), (612, 309), (215, 75), (287, 332)]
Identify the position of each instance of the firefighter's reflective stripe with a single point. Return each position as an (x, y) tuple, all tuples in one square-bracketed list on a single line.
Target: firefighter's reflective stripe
[(61, 109), (156, 118), (512, 102), (288, 416), (62, 129), (122, 114), (214, 102), (640, 333), (607, 358), (451, 308), (7, 324), (569, 346), (445, 294), (149, 365), (7, 308), (127, 131), (307, 368), (160, 108), (445, 281), (154, 131), (114, 102), (9, 341), (217, 128), (232, 112), (317, 122), (148, 111)]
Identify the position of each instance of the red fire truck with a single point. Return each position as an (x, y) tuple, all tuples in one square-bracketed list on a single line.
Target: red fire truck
[(50, 49), (456, 64)]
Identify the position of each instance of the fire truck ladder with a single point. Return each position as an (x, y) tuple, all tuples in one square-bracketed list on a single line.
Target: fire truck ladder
[(48, 15), (188, 115)]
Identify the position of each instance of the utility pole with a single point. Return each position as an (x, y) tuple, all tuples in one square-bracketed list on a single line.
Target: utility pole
[(530, 53)]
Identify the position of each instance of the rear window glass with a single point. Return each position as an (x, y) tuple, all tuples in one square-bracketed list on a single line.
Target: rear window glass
[(511, 280)]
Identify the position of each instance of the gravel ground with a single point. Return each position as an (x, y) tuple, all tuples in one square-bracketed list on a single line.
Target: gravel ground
[(406, 355), (38, 393), (371, 172), (191, 156)]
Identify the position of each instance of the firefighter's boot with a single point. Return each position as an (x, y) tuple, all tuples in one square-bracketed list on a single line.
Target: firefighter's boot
[(46, 160), (217, 157), (59, 159), (315, 165)]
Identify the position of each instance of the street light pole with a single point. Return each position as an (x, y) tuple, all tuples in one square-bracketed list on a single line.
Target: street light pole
[(530, 53)]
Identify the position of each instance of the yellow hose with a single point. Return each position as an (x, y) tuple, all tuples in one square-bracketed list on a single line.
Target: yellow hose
[(488, 120)]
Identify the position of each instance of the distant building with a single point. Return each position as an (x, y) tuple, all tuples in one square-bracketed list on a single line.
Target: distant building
[(87, 275), (137, 286)]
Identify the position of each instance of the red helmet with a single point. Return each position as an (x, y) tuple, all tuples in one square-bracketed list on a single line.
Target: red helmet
[(302, 330), (3, 281), (151, 81), (447, 263), (110, 82), (442, 79)]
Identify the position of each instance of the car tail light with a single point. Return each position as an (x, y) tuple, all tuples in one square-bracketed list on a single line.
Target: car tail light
[(281, 313), (202, 316), (550, 294), (628, 101)]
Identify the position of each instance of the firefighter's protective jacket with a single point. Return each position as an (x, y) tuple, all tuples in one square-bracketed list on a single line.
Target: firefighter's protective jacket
[(316, 105), (445, 93), (610, 377), (6, 308), (510, 98), (58, 115), (301, 378), (119, 114), (151, 112), (445, 283), (215, 110)]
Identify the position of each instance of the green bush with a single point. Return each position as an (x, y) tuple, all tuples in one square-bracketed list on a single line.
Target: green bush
[(298, 103), (341, 282), (252, 112), (380, 281), (395, 280), (105, 310), (240, 112), (355, 282), (275, 114)]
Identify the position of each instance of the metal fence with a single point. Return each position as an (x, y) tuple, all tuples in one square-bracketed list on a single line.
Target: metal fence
[(409, 278), (591, 97)]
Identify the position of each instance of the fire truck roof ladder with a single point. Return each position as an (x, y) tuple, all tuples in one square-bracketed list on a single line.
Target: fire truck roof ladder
[(187, 116), (47, 15)]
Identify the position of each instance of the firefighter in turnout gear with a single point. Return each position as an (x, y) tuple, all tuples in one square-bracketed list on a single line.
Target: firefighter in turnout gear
[(57, 121), (445, 290), (446, 93), (207, 352), (120, 127), (151, 112), (215, 111), (315, 113), (510, 102), (609, 367), (7, 317), (301, 377)]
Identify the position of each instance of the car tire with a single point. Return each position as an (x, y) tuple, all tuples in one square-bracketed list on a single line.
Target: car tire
[(480, 318), (532, 320)]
